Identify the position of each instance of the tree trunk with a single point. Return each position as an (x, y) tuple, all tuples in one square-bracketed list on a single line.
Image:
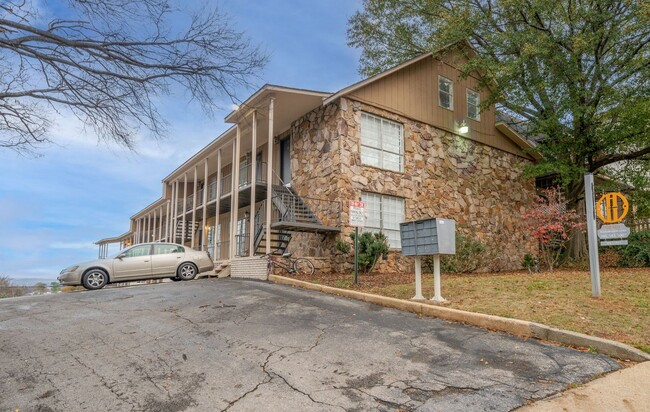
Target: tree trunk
[(576, 249)]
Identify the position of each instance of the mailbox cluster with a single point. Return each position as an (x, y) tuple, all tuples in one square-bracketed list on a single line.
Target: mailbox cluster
[(428, 237), (425, 237)]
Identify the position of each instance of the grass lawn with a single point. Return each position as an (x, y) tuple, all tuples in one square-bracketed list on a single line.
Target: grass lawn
[(561, 299)]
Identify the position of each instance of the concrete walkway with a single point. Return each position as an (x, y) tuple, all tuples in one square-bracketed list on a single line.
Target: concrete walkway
[(623, 390)]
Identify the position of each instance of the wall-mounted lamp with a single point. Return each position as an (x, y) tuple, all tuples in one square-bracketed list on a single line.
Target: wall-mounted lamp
[(463, 128), (247, 215)]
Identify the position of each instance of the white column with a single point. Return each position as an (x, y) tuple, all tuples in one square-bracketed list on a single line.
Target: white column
[(168, 216), (172, 229), (253, 184), (234, 211), (269, 177), (183, 231), (160, 221), (217, 203), (148, 227), (137, 232), (194, 207), (204, 231)]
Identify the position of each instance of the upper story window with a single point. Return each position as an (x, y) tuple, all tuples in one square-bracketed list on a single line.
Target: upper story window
[(382, 143), (445, 92), (473, 102)]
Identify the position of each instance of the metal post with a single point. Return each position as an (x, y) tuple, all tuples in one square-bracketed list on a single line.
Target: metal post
[(356, 254), (594, 265), (418, 279), (437, 296)]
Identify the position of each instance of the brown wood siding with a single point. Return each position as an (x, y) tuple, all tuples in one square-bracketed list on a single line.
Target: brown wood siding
[(413, 93)]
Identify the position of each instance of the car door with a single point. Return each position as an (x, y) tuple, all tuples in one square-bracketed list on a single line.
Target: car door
[(165, 259), (134, 263)]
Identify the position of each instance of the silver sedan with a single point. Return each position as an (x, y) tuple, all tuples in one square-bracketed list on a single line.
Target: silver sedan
[(143, 261)]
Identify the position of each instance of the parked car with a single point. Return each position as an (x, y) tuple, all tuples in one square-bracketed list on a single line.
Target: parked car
[(143, 261)]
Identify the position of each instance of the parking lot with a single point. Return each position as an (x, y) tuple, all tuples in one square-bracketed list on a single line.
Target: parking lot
[(228, 344)]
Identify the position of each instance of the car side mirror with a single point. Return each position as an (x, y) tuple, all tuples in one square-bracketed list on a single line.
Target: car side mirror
[(120, 256)]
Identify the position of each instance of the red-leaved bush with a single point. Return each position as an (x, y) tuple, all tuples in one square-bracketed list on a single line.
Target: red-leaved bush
[(551, 222)]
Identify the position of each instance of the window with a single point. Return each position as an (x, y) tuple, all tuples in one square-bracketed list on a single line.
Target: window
[(445, 93), (473, 101), (385, 213), (167, 249), (381, 143), (135, 251)]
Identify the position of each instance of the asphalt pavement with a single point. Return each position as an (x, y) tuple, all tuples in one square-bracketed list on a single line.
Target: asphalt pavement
[(237, 345)]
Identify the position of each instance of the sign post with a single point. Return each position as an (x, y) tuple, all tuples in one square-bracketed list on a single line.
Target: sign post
[(594, 266), (357, 219)]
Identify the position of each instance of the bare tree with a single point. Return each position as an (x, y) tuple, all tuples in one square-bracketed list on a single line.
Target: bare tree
[(108, 62)]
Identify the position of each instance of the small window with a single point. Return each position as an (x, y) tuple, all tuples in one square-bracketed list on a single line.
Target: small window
[(382, 143), (385, 213), (445, 93), (135, 251), (473, 102), (167, 249)]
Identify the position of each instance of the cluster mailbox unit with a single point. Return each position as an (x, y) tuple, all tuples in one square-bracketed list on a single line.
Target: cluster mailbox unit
[(434, 236)]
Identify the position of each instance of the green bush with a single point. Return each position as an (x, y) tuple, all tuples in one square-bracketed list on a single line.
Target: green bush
[(371, 246), (470, 256), (637, 251), (343, 247)]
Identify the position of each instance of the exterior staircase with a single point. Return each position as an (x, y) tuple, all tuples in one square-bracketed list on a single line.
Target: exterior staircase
[(279, 241), (291, 206)]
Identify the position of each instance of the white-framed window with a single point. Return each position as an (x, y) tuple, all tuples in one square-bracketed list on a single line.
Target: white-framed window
[(473, 102), (382, 143), (445, 93), (385, 213)]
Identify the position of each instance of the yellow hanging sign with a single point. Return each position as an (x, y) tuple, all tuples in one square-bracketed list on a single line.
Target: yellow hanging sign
[(612, 207)]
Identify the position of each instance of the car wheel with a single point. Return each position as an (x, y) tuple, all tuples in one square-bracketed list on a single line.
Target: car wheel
[(187, 271), (95, 279), (176, 279)]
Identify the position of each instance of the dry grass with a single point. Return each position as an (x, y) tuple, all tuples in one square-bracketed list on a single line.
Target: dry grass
[(561, 299)]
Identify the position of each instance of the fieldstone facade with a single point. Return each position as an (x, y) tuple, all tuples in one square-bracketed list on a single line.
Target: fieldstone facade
[(445, 175)]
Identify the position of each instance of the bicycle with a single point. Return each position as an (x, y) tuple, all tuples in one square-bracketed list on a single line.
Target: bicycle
[(301, 266)]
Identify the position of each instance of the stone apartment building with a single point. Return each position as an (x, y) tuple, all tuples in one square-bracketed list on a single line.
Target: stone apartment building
[(411, 142)]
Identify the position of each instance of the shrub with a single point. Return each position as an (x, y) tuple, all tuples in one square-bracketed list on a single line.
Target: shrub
[(371, 246), (470, 256), (343, 247), (531, 263), (637, 251), (550, 222)]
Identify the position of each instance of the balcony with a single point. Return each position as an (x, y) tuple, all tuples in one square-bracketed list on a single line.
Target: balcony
[(244, 186)]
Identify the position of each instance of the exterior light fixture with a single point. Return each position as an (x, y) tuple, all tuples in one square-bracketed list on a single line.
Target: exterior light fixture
[(463, 128), (247, 215)]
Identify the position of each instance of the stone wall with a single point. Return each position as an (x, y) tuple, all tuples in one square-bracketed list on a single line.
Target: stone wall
[(445, 175)]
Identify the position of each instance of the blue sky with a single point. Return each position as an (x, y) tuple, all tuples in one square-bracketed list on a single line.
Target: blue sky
[(53, 207)]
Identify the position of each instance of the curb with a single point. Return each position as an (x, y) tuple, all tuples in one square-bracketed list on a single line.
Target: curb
[(521, 328)]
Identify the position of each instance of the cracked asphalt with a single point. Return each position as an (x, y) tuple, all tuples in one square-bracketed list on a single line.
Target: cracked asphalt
[(236, 345)]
